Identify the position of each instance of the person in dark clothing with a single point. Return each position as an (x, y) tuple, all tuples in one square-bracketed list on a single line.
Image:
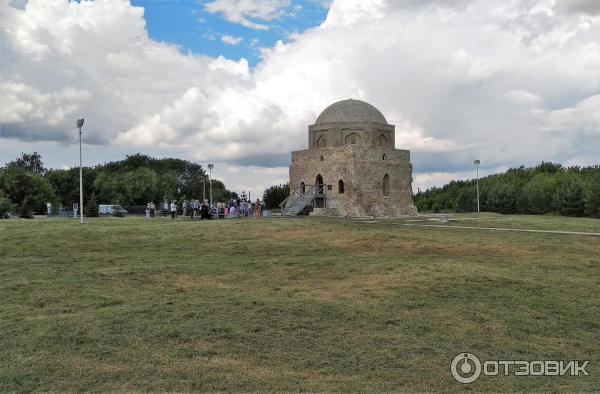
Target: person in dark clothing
[(204, 211)]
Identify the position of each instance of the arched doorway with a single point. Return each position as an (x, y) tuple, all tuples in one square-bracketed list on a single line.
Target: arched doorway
[(319, 184), (341, 188), (320, 192), (386, 185)]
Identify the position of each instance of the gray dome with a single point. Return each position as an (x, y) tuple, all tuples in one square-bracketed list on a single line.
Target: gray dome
[(350, 111)]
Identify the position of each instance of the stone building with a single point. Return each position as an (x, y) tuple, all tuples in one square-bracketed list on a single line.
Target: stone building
[(351, 166)]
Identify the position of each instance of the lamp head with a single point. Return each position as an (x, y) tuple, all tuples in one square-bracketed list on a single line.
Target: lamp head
[(211, 166), (477, 162), (80, 123)]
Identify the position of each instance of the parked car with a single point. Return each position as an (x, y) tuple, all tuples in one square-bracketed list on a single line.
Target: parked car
[(111, 210)]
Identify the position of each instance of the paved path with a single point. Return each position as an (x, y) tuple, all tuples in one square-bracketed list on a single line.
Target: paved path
[(505, 229)]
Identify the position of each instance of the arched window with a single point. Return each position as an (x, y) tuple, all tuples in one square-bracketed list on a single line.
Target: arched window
[(352, 139), (386, 185), (382, 141), (321, 143), (384, 156), (341, 186), (302, 188), (321, 158)]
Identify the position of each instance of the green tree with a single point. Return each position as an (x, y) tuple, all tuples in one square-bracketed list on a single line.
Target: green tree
[(569, 196), (537, 195), (466, 200), (31, 163), (592, 197), (109, 190), (502, 197), (26, 190), (275, 195), (139, 186), (66, 184), (91, 208)]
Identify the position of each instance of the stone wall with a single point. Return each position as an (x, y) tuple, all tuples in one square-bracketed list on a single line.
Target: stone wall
[(362, 170), (336, 134)]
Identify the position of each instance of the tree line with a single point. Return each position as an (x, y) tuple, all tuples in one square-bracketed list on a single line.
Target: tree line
[(26, 186), (546, 188)]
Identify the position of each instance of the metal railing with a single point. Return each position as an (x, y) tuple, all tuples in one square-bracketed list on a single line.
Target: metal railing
[(301, 198)]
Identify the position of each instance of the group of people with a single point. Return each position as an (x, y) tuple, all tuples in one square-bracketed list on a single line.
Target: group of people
[(166, 208), (235, 208)]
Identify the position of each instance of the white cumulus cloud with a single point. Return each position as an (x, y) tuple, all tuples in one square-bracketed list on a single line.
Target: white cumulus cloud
[(231, 40), (247, 12), (509, 82)]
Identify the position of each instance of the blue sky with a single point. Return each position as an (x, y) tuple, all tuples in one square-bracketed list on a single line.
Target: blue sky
[(507, 82), (187, 24)]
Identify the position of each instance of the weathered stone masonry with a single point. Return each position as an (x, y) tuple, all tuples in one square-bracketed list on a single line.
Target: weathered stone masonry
[(352, 149)]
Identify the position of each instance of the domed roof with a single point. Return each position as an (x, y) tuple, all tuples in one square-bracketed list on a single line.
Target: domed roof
[(350, 111)]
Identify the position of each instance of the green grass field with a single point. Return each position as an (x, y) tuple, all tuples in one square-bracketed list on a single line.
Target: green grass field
[(292, 304)]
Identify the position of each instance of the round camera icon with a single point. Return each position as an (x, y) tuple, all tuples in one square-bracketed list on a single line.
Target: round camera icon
[(465, 368)]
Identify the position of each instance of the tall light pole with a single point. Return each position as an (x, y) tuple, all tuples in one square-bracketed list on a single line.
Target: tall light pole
[(477, 163), (79, 126), (210, 167)]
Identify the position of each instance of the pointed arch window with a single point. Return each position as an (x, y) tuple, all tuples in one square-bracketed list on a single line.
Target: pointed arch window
[(321, 142), (382, 141), (352, 139), (341, 188)]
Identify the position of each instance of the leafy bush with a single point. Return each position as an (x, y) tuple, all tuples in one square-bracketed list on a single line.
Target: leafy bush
[(26, 208), (6, 206)]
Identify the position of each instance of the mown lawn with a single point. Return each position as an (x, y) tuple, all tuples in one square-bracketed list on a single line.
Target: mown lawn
[(291, 304)]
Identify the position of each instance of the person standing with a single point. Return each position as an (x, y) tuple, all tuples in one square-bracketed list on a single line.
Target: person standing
[(243, 209), (185, 208), (173, 208), (258, 208), (204, 210), (152, 210)]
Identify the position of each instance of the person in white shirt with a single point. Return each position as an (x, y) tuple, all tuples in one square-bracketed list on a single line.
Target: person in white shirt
[(173, 209)]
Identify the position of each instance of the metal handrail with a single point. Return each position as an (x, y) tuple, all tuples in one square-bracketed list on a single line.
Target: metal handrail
[(308, 189)]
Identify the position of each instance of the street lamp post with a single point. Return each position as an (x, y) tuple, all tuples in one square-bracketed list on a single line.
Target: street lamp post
[(79, 126), (210, 167), (477, 163)]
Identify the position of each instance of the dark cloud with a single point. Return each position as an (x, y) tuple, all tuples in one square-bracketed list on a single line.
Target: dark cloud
[(267, 160), (590, 7)]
